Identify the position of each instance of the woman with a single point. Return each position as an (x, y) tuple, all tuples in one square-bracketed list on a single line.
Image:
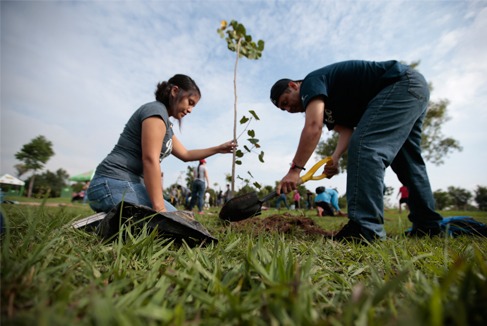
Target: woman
[(132, 172), (200, 183)]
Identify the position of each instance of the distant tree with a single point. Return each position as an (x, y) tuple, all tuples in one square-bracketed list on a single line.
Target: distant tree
[(481, 197), (434, 145), (442, 199), (34, 155), (460, 197), (21, 169), (189, 177), (50, 184)]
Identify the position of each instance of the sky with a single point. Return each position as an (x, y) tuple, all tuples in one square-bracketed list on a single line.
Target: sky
[(74, 72)]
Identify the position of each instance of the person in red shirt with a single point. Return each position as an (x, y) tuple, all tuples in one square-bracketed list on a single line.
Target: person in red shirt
[(403, 191)]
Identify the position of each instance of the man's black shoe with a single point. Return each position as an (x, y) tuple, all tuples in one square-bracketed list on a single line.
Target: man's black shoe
[(351, 232), (421, 232)]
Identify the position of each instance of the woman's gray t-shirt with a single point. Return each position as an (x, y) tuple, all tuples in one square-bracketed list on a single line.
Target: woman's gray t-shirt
[(125, 160)]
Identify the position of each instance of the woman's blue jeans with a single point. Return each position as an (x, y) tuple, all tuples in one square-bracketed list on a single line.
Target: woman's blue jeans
[(106, 193), (197, 195), (389, 134)]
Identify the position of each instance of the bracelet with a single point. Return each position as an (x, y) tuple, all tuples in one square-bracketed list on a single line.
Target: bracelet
[(294, 166)]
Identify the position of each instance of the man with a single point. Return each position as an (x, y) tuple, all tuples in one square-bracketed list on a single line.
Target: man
[(404, 193), (334, 200), (377, 108), (323, 202)]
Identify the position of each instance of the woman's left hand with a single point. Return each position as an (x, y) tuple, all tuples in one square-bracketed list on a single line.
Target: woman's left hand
[(228, 147)]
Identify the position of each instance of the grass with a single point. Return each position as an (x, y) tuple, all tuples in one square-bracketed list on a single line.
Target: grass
[(55, 275)]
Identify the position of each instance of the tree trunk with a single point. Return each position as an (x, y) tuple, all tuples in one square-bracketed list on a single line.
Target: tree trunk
[(31, 185)]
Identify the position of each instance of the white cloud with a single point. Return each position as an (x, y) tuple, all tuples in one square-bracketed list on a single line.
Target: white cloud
[(75, 71)]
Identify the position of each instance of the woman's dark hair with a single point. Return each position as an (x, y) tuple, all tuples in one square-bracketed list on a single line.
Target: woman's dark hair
[(163, 90)]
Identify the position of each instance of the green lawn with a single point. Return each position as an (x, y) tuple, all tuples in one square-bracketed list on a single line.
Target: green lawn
[(52, 274)]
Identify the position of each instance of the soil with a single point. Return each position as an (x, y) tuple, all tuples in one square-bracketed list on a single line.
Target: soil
[(282, 223)]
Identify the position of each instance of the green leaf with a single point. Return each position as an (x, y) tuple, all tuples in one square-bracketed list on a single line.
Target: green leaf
[(261, 157), (238, 162), (253, 141), (254, 114), (247, 149), (257, 185), (244, 120), (251, 133), (241, 30), (239, 153)]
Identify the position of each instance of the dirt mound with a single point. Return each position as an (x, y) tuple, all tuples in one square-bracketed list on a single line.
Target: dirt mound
[(285, 223)]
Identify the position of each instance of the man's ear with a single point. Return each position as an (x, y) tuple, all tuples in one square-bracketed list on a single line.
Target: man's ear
[(293, 85)]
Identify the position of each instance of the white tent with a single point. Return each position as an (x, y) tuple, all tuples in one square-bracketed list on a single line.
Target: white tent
[(8, 179)]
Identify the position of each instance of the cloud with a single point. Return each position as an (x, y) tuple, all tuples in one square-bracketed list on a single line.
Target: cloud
[(75, 71)]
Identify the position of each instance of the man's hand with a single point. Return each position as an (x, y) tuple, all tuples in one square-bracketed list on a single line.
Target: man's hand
[(331, 168), (289, 182)]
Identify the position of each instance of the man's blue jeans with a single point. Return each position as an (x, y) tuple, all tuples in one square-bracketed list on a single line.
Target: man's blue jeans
[(105, 193), (389, 134)]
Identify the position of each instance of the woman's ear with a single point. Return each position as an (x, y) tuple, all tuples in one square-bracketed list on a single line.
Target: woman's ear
[(174, 91)]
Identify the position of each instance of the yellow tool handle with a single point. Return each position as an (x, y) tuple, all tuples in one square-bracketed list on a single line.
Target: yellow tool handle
[(310, 174)]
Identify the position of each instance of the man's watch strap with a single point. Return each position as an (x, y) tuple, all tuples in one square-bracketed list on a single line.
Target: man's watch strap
[(294, 166)]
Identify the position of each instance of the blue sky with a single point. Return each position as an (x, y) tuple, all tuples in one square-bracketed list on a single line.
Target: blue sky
[(75, 71)]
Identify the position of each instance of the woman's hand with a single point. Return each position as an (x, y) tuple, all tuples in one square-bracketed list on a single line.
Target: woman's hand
[(228, 147), (159, 208)]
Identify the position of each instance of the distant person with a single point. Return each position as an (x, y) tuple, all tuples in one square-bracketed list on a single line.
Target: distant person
[(200, 183), (296, 198), (132, 170), (334, 201), (174, 196), (219, 198), (207, 200), (377, 109), (184, 194), (323, 202), (309, 198), (403, 195), (228, 194), (281, 199), (85, 192)]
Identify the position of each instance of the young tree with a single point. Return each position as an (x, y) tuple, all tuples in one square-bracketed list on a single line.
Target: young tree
[(481, 198), (34, 155), (434, 145), (241, 43)]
